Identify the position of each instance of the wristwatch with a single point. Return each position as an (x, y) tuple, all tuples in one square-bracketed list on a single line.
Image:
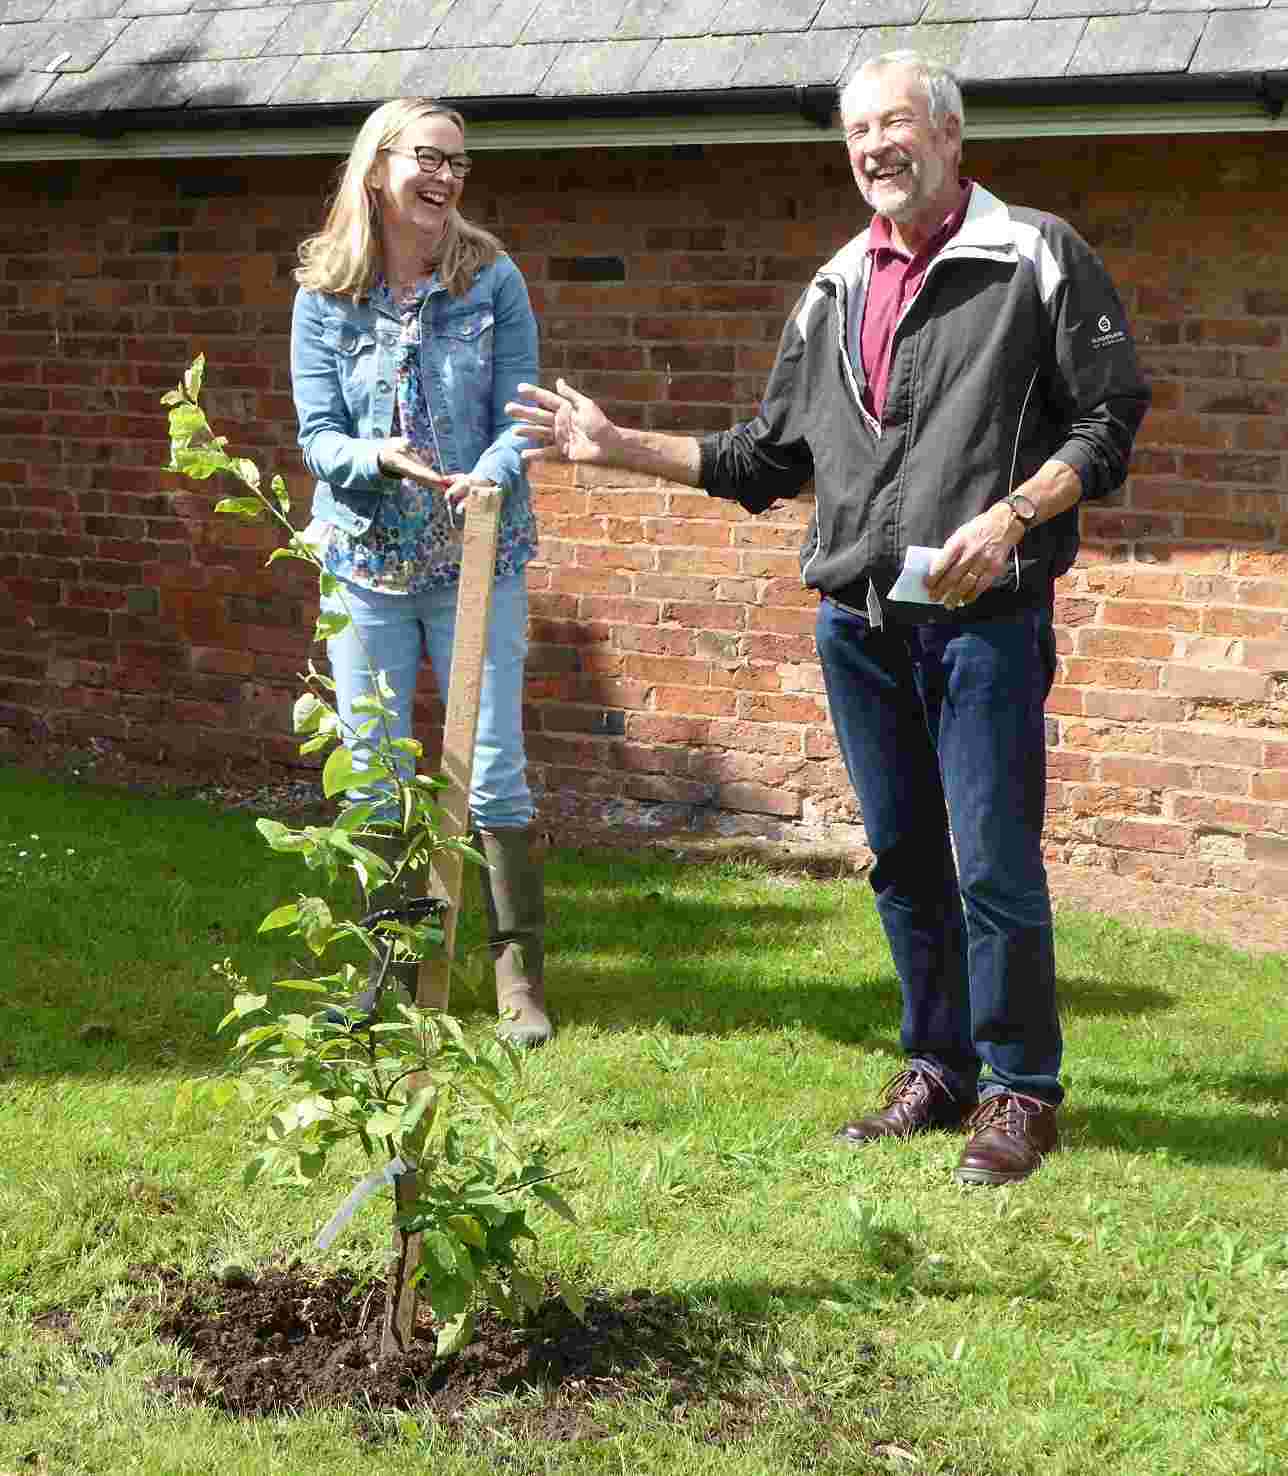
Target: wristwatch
[(1022, 507)]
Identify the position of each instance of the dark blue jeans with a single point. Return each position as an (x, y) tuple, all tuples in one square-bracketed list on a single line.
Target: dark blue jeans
[(941, 728)]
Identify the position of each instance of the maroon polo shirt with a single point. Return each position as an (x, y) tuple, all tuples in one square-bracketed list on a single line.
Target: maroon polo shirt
[(893, 281)]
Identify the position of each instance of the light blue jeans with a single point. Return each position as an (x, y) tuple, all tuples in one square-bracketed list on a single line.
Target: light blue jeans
[(393, 634)]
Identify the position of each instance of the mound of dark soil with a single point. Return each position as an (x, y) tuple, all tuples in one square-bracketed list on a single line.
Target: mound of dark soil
[(286, 1340)]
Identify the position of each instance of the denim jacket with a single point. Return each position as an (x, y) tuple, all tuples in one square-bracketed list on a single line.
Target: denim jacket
[(475, 351)]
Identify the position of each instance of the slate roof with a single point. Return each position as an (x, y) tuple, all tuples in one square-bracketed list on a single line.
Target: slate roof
[(63, 59)]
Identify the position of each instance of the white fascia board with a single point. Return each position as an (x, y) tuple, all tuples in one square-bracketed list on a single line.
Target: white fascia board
[(1084, 120)]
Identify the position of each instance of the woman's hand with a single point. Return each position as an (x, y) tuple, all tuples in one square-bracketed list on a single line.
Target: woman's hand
[(396, 458), (460, 485)]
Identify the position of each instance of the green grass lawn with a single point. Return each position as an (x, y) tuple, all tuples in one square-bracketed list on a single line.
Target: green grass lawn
[(1125, 1312)]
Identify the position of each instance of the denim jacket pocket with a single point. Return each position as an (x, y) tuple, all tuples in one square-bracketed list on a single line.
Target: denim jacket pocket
[(355, 360)]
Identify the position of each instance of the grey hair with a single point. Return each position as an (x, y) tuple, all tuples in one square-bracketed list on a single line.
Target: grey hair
[(943, 93)]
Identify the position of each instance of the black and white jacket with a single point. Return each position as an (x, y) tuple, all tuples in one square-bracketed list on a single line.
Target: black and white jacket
[(1015, 350)]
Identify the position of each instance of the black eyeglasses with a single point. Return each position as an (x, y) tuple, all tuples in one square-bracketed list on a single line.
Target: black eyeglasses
[(431, 160)]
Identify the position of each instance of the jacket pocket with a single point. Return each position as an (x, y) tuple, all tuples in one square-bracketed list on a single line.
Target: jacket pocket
[(354, 352)]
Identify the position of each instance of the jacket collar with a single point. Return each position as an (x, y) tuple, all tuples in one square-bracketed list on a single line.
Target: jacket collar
[(986, 229)]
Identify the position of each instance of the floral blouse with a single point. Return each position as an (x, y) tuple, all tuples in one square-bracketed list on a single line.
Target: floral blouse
[(414, 541)]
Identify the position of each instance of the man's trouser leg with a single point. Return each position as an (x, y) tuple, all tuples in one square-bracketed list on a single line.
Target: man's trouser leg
[(881, 728), (986, 683)]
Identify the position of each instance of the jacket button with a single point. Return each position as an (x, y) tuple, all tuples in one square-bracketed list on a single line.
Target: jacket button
[(383, 386)]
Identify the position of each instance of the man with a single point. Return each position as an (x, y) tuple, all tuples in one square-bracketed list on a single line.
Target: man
[(957, 377)]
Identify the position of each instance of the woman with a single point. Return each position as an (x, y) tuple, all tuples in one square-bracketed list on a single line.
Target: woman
[(411, 330)]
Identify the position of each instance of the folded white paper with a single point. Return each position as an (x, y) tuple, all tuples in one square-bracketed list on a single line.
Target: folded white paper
[(911, 583)]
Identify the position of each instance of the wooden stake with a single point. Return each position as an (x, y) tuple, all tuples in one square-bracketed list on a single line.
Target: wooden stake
[(433, 983)]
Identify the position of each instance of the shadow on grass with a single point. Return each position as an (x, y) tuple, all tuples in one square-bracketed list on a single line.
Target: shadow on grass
[(164, 1020), (1219, 1136)]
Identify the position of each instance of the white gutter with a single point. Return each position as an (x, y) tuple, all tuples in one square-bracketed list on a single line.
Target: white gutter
[(982, 122)]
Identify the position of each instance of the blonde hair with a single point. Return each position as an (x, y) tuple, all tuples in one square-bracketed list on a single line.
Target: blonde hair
[(344, 257)]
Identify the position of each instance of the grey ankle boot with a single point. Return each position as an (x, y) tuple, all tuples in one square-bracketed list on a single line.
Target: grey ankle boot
[(514, 896)]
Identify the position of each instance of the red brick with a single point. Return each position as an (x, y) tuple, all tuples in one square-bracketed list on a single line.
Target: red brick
[(759, 798), (1216, 683), (1143, 835), (1272, 785)]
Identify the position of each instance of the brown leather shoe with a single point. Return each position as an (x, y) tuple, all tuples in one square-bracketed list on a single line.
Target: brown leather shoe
[(917, 1100), (1010, 1134)]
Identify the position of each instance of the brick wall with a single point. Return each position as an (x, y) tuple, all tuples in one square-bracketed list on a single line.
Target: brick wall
[(673, 675)]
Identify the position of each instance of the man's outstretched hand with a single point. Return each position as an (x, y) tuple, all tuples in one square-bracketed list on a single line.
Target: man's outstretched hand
[(562, 424)]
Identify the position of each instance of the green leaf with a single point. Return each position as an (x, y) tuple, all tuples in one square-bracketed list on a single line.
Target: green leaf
[(455, 1334), (555, 1200), (289, 551), (339, 774), (282, 496), (574, 1301), (281, 917), (193, 377), (416, 1108), (282, 837), (383, 1123), (303, 986), (249, 508), (316, 924), (312, 1164), (439, 1248), (528, 1289), (247, 1004), (412, 746), (449, 1295), (469, 1229), (323, 740), (245, 471), (199, 462), (330, 623), (327, 583), (308, 712), (367, 703)]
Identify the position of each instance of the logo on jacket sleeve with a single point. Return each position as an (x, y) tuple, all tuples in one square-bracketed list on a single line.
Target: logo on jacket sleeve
[(1107, 335)]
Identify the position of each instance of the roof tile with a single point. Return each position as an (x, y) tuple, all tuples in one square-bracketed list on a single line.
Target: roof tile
[(1244, 41), (162, 38), (311, 30), (1002, 50), (1046, 8), (797, 60), (1136, 43), (13, 11), (760, 16), (485, 22), (399, 25), (940, 43), (491, 71), (115, 88), (1208, 5), (230, 84), (644, 18), (317, 79), (846, 13), (70, 10), (582, 70), (573, 20), (239, 33), (24, 40), (21, 91), (74, 47), (699, 64), (968, 10), (154, 7)]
